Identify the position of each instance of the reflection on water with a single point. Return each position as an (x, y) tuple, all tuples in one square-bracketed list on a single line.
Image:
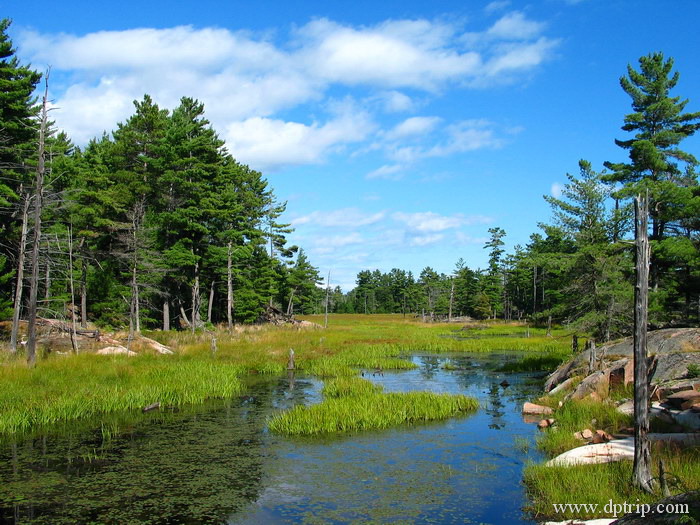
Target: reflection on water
[(218, 464)]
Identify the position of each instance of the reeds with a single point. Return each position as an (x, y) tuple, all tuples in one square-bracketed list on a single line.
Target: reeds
[(355, 405)]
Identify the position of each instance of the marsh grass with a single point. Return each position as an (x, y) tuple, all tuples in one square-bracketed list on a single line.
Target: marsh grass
[(85, 386), (575, 416), (346, 409), (598, 484), (65, 388), (536, 363)]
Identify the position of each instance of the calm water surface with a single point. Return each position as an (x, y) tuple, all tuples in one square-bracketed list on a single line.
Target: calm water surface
[(218, 464)]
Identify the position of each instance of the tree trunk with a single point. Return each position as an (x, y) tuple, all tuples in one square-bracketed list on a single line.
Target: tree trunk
[(73, 341), (211, 302), (47, 275), (452, 298), (290, 304), (38, 203), (166, 315), (83, 286), (328, 289), (641, 474), (19, 287), (229, 287), (195, 298)]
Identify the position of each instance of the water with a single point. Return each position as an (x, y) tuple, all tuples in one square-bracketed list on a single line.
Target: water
[(218, 464)]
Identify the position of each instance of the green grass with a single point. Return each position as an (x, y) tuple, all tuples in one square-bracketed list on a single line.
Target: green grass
[(599, 484), (536, 363), (65, 388), (370, 412), (85, 386), (350, 386), (575, 416)]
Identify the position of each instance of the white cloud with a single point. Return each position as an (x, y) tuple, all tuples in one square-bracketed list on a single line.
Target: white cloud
[(413, 126), (269, 144), (387, 171), (428, 221), (395, 101), (515, 26), (352, 217), (396, 53), (498, 5), (324, 245), (556, 190), (246, 79), (424, 240)]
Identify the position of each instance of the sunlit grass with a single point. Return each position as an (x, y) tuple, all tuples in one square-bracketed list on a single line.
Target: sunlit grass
[(354, 404), (63, 388), (599, 484)]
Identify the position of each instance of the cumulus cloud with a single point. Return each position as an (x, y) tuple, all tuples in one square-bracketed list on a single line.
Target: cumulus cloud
[(269, 144), (428, 221), (413, 126), (246, 80), (352, 217), (387, 171)]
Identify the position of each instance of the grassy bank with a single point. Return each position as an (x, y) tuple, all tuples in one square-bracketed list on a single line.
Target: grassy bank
[(65, 388), (354, 404), (602, 483)]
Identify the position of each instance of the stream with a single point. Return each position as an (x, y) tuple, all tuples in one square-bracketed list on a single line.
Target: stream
[(217, 463)]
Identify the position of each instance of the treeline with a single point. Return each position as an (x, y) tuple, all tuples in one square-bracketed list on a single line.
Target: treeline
[(154, 225), (579, 268)]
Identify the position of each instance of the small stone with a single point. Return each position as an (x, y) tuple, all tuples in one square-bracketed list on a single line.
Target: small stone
[(587, 434), (532, 408), (578, 435), (543, 424), (601, 436)]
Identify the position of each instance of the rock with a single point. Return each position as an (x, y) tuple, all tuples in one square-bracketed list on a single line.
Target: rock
[(115, 350), (559, 375), (626, 408), (662, 415), (160, 348), (587, 434), (561, 387), (677, 399), (687, 405), (533, 409), (695, 407), (154, 406), (615, 450), (675, 365), (578, 435), (504, 383), (544, 423), (601, 436), (596, 383), (689, 419)]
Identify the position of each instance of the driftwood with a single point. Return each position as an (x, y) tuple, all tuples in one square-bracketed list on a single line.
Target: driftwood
[(55, 324)]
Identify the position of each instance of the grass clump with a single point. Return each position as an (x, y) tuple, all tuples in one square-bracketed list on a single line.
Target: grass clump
[(575, 416), (353, 404), (599, 484), (350, 386), (354, 413), (85, 386)]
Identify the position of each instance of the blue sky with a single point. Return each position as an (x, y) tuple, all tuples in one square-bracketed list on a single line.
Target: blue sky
[(398, 132)]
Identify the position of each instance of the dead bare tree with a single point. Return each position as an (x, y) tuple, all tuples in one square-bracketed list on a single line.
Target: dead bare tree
[(19, 287), (641, 474), (36, 239)]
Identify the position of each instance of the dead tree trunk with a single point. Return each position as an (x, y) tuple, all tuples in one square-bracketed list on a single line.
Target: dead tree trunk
[(73, 340), (38, 203), (83, 285), (210, 306), (290, 304), (641, 474), (19, 287), (195, 298), (328, 289), (452, 298), (166, 315)]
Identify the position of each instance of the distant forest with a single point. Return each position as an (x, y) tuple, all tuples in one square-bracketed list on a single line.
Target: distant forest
[(156, 225)]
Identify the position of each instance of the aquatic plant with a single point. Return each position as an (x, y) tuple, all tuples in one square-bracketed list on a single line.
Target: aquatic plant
[(355, 405)]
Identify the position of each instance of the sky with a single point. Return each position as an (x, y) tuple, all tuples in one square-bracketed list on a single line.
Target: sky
[(398, 132)]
